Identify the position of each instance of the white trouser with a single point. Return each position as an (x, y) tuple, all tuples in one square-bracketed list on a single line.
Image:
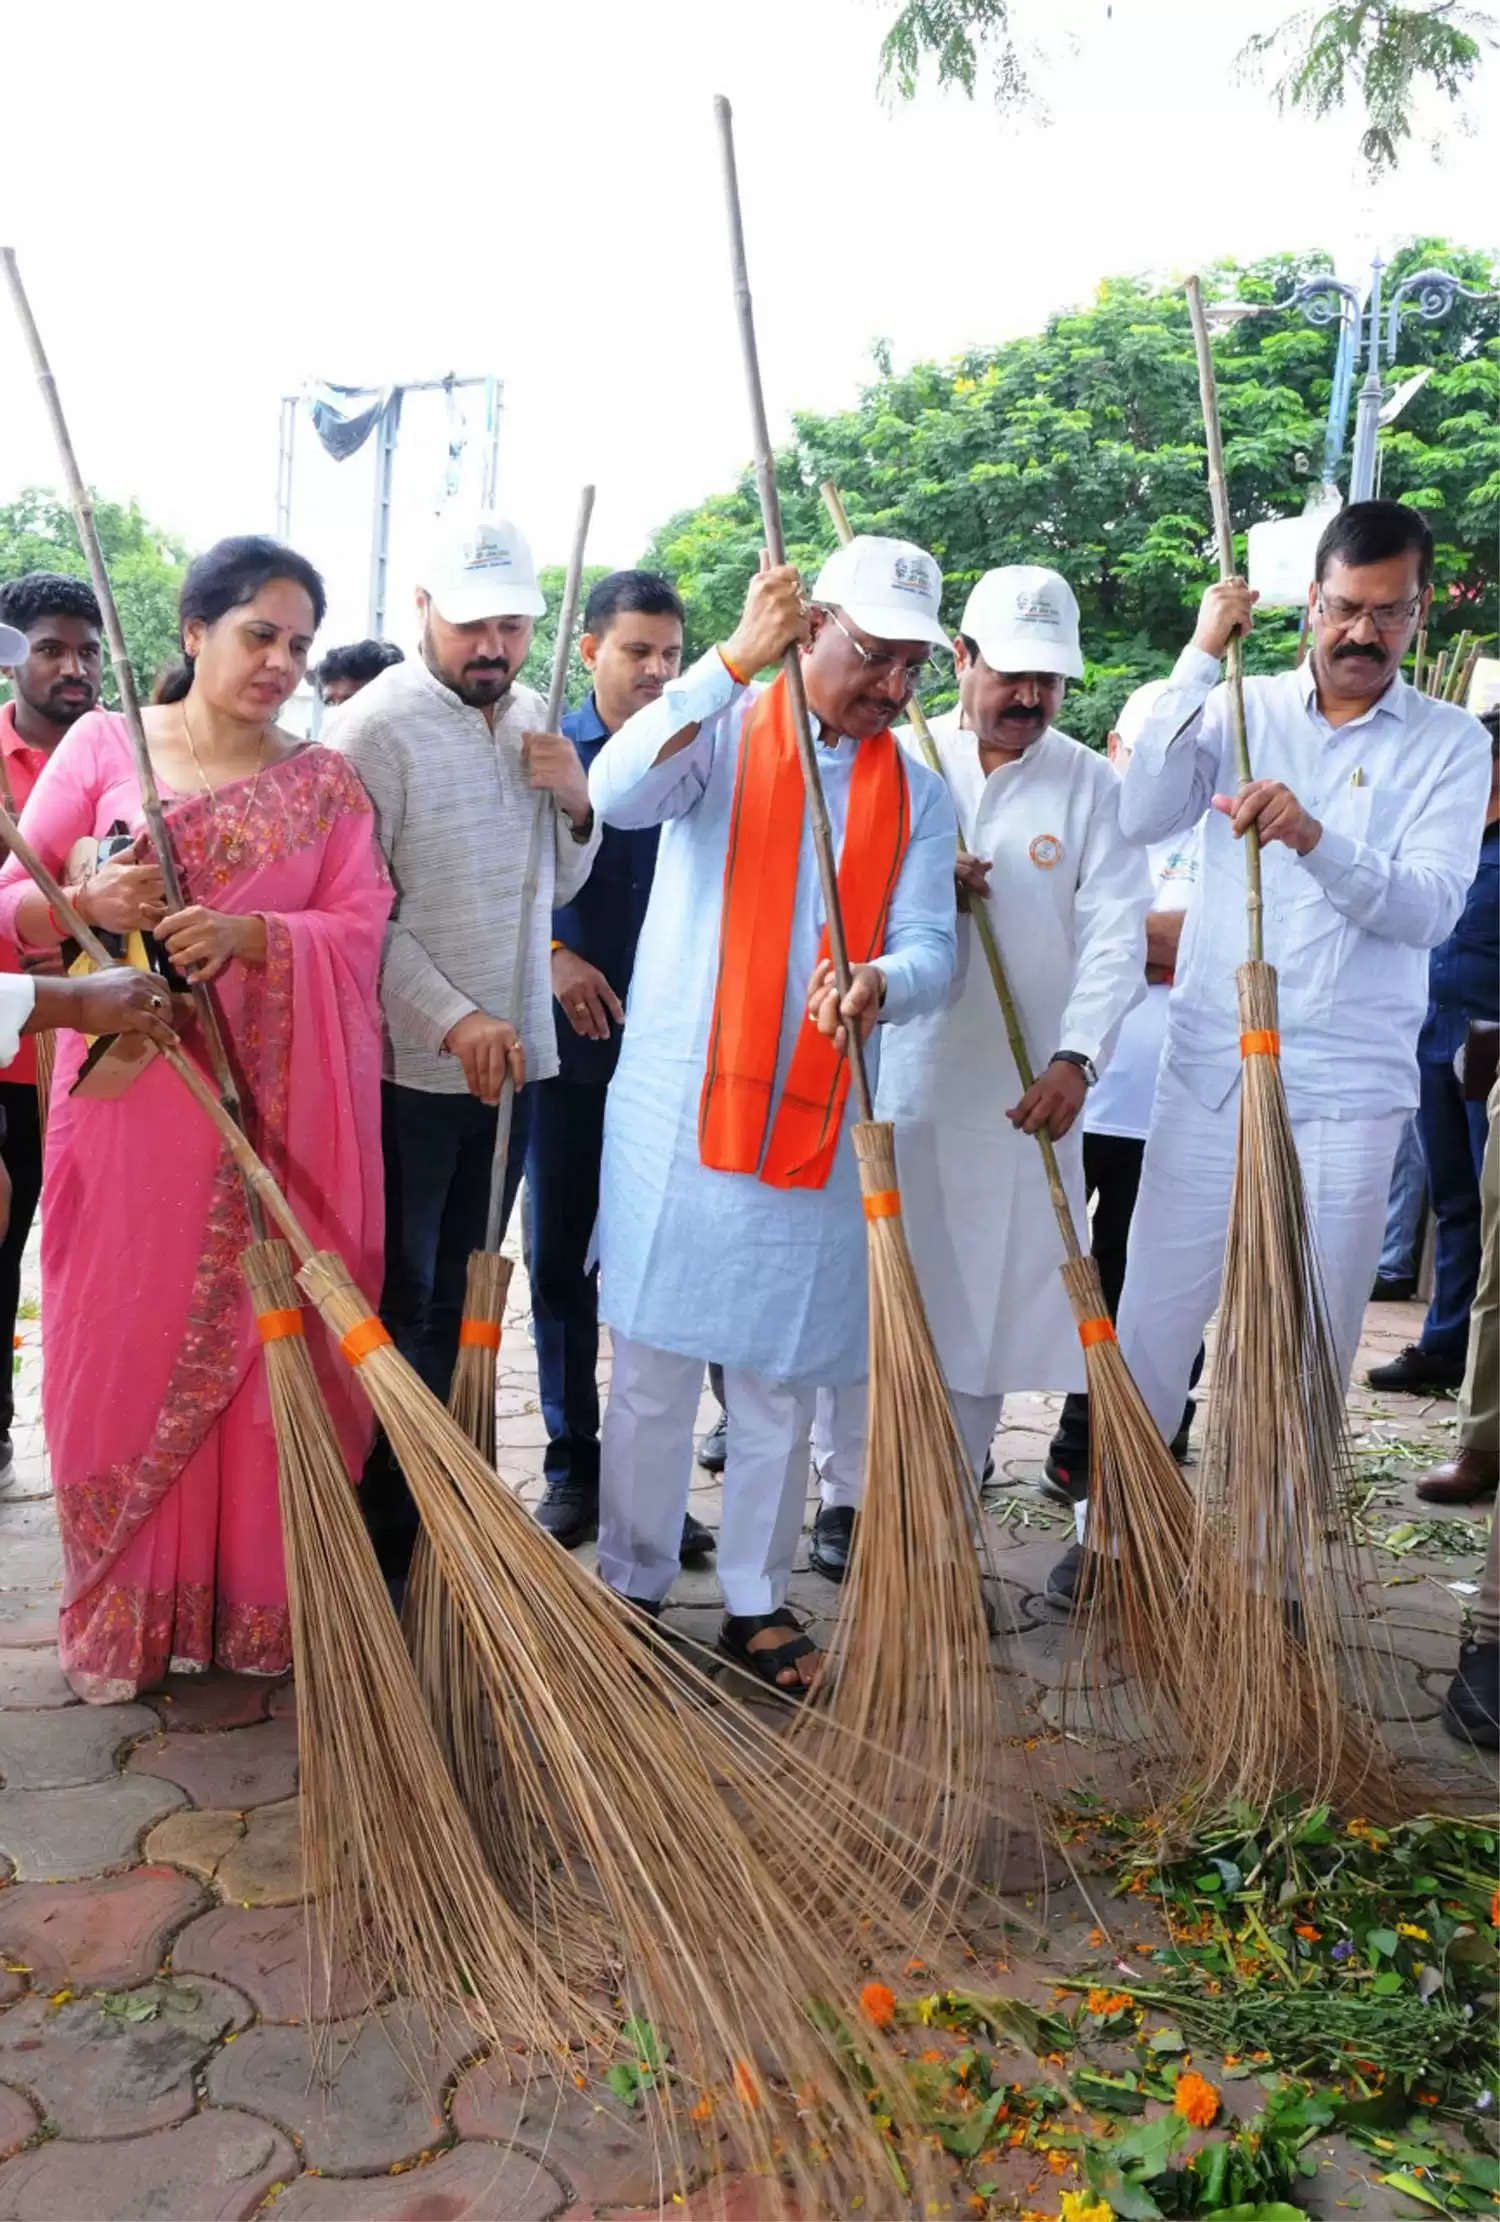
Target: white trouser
[(839, 1439), (646, 1471), (1176, 1256)]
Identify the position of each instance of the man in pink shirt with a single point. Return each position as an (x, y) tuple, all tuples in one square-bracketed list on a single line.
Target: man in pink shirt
[(51, 686)]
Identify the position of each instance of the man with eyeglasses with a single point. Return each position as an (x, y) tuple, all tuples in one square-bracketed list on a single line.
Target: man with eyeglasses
[(1038, 815), (1369, 801), (730, 1224)]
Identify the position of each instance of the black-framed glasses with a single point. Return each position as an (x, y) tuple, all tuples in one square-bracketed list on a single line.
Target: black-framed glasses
[(883, 663), (1386, 617)]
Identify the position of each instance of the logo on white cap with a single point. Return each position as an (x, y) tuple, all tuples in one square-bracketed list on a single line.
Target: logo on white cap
[(1025, 618), (891, 589), (483, 570)]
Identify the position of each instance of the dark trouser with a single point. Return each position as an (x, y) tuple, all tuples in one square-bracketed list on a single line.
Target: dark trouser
[(1112, 1174), (562, 1203), (23, 1162), (438, 1155), (1453, 1137)]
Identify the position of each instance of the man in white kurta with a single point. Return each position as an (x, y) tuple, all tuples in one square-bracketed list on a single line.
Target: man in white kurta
[(699, 1263), (1369, 800), (1038, 815)]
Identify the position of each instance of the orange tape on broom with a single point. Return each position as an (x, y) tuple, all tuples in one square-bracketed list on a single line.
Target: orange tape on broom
[(364, 1336), (1091, 1331), (1261, 1041), (479, 1334), (882, 1203), (276, 1326)]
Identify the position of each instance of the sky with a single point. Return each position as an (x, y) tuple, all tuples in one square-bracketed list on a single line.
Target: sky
[(212, 205)]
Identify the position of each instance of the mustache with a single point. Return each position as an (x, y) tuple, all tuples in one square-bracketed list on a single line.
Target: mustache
[(1021, 717), (500, 664), (1365, 649)]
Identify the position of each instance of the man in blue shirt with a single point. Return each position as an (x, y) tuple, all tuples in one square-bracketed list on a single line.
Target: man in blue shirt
[(632, 647), (1463, 984)]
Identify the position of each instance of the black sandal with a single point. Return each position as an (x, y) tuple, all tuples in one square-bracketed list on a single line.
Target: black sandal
[(771, 1659)]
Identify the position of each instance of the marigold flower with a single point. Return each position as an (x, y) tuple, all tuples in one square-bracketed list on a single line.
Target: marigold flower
[(1058, 2162), (1085, 2206), (1106, 2003), (879, 2003), (703, 2109), (1410, 1929), (1196, 2100), (1306, 1929)]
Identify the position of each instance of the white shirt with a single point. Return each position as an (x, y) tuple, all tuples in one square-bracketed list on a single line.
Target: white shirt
[(455, 811), (1067, 903), (1121, 1104), (713, 1264), (17, 1002), (1400, 792)]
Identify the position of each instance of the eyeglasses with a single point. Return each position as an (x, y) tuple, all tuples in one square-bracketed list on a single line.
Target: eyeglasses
[(883, 663), (1386, 617)]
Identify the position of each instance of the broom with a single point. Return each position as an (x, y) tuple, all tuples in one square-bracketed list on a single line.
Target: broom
[(913, 1678), (735, 1885), (1141, 1512), (1276, 1458), (446, 1666)]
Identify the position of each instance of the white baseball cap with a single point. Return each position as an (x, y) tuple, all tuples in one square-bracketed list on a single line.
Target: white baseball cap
[(892, 589), (481, 570), (14, 646), (1025, 618)]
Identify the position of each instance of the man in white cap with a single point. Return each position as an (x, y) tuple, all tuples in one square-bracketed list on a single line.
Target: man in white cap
[(466, 787), (1038, 814), (730, 1224)]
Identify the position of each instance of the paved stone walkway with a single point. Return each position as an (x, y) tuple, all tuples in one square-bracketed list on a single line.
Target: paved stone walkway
[(153, 2056)]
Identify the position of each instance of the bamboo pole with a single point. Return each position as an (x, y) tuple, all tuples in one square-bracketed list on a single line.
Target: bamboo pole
[(1438, 681), (1419, 658)]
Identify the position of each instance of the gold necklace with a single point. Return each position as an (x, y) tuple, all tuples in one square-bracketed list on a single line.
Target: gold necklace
[(234, 844)]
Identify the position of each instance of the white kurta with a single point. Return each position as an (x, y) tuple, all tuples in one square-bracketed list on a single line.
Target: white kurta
[(719, 1265), (1067, 902)]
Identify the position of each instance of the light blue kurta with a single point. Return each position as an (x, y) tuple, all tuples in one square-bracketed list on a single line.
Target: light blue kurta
[(719, 1265)]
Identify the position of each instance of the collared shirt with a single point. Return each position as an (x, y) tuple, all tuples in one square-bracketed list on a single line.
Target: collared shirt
[(1400, 792), (603, 921), (1463, 979), (1121, 1104), (22, 767), (456, 818)]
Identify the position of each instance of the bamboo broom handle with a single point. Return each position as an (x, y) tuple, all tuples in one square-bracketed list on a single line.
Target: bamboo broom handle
[(119, 656), (770, 509), (1218, 495), (1420, 658), (1062, 1210), (1465, 679), (255, 1175), (561, 649), (1455, 668)]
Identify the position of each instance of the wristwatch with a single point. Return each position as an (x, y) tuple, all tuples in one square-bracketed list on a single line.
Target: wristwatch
[(1076, 1057)]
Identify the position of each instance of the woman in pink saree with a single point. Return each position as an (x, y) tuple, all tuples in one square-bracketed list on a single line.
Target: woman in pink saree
[(154, 1396)]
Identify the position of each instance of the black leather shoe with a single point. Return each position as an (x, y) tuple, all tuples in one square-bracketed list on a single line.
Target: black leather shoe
[(1071, 1579), (832, 1541), (698, 1542), (714, 1448), (1180, 1439), (1417, 1372), (570, 1512), (1471, 1710), (1397, 1290), (1063, 1474)]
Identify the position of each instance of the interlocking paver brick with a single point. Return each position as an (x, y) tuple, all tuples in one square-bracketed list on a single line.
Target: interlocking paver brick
[(228, 1769), (28, 1617), (361, 2094), (472, 2183), (100, 1934), (98, 2073), (600, 2148), (58, 1835), (188, 1702), (216, 2167), (197, 1841), (55, 1750), (32, 1678), (18, 2121), (271, 1954), (264, 1868)]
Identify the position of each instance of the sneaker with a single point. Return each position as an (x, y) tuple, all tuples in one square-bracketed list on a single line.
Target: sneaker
[(1418, 1372), (1071, 1580), (569, 1511), (714, 1448), (698, 1542), (832, 1541), (1064, 1478), (1471, 1710)]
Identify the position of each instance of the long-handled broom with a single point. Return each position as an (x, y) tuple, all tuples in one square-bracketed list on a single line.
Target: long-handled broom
[(912, 1680), (446, 1665), (1276, 1455), (1141, 1512), (735, 1889)]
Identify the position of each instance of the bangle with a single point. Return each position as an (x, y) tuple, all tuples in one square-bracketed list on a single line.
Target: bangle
[(556, 946), (740, 678)]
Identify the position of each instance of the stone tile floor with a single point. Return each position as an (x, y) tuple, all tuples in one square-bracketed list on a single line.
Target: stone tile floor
[(154, 2060)]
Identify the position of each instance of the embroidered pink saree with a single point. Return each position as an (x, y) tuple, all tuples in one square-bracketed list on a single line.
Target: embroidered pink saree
[(153, 1394)]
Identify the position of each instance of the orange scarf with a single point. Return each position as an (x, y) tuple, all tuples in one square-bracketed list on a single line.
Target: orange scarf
[(760, 893)]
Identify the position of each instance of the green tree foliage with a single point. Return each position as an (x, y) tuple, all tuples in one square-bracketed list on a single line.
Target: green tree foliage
[(1081, 447), (1373, 55), (37, 533), (552, 578)]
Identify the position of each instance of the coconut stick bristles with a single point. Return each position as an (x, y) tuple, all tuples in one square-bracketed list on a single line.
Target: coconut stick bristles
[(1276, 1457), (912, 1642)]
